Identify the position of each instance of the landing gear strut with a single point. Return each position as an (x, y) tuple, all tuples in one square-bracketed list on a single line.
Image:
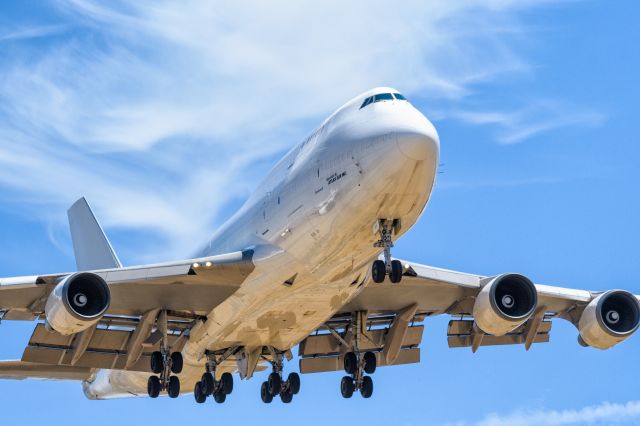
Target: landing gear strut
[(275, 385), (209, 385), (357, 364), (164, 362), (381, 268)]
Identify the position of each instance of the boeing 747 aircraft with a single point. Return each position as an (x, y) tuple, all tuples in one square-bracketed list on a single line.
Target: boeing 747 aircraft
[(307, 262)]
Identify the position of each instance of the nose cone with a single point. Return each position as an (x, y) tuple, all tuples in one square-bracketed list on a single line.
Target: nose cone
[(418, 141)]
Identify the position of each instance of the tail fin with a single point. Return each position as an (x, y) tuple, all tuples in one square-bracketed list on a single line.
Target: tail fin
[(90, 244)]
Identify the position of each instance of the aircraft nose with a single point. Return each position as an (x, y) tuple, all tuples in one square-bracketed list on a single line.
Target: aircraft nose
[(417, 141)]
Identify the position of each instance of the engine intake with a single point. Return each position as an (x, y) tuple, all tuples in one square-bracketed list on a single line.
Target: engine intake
[(77, 302), (609, 319), (505, 303)]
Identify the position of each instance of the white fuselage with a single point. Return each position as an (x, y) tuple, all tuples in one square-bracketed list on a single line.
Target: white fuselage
[(311, 222)]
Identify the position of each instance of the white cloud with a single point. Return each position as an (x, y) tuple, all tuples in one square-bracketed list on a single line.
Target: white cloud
[(536, 118), (160, 112), (604, 413)]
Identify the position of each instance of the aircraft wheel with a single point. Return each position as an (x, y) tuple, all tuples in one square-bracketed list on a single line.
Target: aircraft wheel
[(265, 394), (378, 271), (286, 396), (347, 387), (220, 396), (157, 362), (207, 383), (350, 363), (176, 363), (227, 383), (198, 395), (396, 271), (367, 387), (294, 383), (153, 386), (173, 388), (275, 384), (370, 362)]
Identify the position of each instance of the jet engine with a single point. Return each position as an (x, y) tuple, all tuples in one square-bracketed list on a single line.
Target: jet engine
[(77, 302), (609, 319), (505, 303)]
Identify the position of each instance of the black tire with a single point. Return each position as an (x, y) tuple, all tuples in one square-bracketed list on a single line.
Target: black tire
[(350, 363), (396, 271), (370, 362), (265, 394), (347, 387), (286, 396), (198, 395), (207, 382), (227, 383), (378, 271), (294, 383), (153, 386), (176, 363), (367, 387), (275, 384), (219, 397), (157, 362), (173, 387)]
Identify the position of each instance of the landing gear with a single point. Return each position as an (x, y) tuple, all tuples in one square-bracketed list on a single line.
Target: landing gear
[(358, 364), (381, 268), (164, 362), (209, 386), (275, 385)]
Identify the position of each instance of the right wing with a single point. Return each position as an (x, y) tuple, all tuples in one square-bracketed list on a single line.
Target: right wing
[(124, 338)]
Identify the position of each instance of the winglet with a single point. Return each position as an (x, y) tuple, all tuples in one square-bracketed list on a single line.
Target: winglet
[(90, 244)]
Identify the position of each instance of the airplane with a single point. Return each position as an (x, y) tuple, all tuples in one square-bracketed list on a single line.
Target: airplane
[(305, 262)]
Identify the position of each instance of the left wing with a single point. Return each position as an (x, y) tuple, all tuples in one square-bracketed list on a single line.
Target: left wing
[(506, 309)]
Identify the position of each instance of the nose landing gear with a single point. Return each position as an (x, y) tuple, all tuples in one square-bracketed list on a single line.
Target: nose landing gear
[(381, 268)]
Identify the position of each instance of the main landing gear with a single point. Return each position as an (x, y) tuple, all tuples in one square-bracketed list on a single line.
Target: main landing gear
[(164, 362), (275, 385), (356, 364), (381, 268), (209, 386)]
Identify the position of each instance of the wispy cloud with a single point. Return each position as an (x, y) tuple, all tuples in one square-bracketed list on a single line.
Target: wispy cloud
[(604, 414), (162, 113), (31, 32), (534, 119)]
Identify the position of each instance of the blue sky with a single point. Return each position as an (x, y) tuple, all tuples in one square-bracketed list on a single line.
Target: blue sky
[(166, 115)]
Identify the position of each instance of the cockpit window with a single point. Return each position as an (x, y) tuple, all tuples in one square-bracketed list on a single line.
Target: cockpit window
[(382, 97), (367, 102)]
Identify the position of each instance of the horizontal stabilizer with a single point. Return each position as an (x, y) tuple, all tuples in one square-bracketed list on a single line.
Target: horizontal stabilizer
[(19, 370), (90, 244)]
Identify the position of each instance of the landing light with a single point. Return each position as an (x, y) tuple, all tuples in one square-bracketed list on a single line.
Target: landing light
[(208, 264)]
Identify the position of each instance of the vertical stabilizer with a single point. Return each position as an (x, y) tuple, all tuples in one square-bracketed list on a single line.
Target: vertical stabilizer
[(90, 244)]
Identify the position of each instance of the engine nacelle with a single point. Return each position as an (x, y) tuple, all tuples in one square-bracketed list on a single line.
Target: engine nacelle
[(77, 302), (505, 303), (609, 319)]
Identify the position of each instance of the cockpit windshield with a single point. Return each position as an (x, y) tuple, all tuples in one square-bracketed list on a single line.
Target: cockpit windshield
[(380, 97)]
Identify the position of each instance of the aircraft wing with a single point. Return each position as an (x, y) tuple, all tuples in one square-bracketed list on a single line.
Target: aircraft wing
[(124, 337), (389, 317), (193, 285)]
